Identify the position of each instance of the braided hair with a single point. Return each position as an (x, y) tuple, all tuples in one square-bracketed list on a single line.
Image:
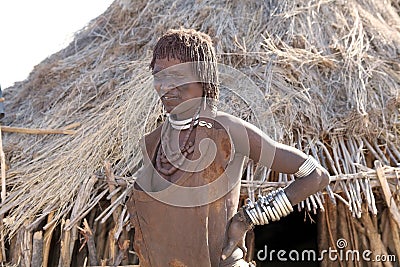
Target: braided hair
[(188, 45)]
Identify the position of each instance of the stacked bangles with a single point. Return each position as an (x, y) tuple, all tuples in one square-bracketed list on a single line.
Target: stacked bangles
[(271, 207)]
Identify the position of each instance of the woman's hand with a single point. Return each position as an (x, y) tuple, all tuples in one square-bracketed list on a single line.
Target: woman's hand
[(236, 235)]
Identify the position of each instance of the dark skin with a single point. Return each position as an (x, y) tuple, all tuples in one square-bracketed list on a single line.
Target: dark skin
[(173, 96), (259, 147)]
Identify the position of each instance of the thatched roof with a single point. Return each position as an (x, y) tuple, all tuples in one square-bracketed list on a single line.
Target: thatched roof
[(328, 72)]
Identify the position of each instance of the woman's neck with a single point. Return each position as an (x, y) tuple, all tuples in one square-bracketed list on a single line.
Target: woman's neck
[(188, 110), (188, 114)]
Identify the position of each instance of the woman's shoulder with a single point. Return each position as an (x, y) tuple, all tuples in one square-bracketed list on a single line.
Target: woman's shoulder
[(231, 122), (151, 139), (227, 120)]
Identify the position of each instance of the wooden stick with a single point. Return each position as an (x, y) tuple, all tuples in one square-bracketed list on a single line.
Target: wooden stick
[(393, 149), (26, 246), (3, 197), (328, 156), (82, 198), (101, 240), (87, 209), (65, 257), (365, 191), (119, 226), (88, 234), (36, 222), (394, 211), (320, 204), (111, 184), (389, 152), (381, 154), (37, 250), (390, 173), (48, 234), (72, 126), (122, 252), (330, 194), (374, 153), (373, 204), (16, 248), (10, 129), (112, 246), (116, 213)]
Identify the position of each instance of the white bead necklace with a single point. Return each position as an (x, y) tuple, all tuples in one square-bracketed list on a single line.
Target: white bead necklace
[(183, 124)]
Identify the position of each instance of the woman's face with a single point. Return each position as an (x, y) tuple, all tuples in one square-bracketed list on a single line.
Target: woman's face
[(177, 85)]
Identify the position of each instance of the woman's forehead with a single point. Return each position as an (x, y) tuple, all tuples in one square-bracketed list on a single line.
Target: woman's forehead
[(172, 67)]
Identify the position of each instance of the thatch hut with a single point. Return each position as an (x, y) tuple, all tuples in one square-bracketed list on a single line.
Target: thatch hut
[(327, 71)]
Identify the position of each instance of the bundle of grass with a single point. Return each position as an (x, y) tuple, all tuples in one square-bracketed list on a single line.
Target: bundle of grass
[(327, 79)]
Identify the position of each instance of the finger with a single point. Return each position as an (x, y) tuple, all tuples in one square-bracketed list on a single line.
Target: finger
[(227, 251), (242, 246)]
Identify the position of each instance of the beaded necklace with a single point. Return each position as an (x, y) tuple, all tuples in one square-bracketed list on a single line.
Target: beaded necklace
[(167, 160)]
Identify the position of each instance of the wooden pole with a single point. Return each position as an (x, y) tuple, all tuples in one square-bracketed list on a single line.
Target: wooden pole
[(88, 234), (37, 250), (48, 234), (65, 256), (16, 248), (10, 129), (101, 240), (113, 239), (394, 211), (26, 246), (3, 197), (121, 254)]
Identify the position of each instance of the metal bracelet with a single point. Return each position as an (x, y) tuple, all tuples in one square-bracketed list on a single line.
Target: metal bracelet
[(274, 217), (282, 204), (243, 216), (271, 207), (253, 212), (250, 215), (277, 208), (287, 201), (265, 212), (308, 166), (268, 200), (269, 197), (259, 213)]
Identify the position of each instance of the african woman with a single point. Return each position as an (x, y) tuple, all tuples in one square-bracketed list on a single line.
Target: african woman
[(184, 205)]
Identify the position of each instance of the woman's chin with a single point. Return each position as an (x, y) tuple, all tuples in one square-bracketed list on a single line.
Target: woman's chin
[(179, 107)]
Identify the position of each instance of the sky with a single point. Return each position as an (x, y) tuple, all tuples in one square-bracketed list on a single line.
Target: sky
[(31, 30)]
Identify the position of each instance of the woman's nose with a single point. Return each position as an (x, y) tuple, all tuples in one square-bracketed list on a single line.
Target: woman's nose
[(164, 88)]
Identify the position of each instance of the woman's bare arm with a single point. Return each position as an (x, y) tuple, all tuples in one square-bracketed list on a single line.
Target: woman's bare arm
[(252, 142)]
